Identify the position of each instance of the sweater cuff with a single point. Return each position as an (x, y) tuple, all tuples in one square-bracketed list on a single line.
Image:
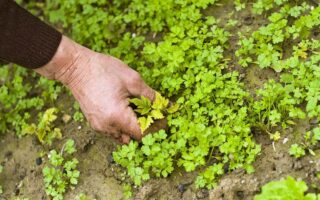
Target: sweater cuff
[(24, 39)]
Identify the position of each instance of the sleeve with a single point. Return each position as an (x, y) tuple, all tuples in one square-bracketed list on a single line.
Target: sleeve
[(25, 39)]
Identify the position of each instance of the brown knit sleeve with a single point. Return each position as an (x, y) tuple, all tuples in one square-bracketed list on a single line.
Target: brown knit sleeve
[(24, 39)]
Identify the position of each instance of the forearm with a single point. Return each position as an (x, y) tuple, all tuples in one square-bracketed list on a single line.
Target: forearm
[(24, 39)]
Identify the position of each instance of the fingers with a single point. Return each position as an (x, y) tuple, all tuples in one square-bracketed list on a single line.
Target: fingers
[(140, 88), (128, 125), (125, 139), (117, 135), (147, 91)]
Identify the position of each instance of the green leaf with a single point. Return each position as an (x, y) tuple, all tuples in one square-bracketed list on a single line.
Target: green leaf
[(174, 108), (316, 133), (69, 146), (296, 151), (285, 189), (143, 105)]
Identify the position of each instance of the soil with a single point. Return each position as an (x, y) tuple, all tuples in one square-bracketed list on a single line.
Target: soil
[(101, 178)]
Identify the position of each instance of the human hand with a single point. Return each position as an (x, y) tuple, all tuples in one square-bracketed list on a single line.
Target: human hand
[(102, 85)]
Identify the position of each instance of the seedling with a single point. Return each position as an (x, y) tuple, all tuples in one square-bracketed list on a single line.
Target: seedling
[(288, 188), (152, 111), (45, 131), (61, 171), (310, 140)]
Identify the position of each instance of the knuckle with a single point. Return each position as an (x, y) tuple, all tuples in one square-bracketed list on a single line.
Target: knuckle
[(148, 92), (135, 77)]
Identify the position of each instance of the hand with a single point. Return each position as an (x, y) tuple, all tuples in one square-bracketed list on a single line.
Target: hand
[(102, 85)]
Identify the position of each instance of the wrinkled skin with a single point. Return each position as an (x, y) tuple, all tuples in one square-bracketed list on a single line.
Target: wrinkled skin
[(102, 85)]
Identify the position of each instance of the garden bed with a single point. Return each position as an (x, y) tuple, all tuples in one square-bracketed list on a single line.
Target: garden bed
[(103, 177)]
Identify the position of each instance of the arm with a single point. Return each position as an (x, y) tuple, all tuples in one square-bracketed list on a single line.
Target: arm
[(24, 39), (101, 84)]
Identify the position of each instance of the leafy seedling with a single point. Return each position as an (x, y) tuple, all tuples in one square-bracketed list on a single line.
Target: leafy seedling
[(61, 171), (150, 111), (288, 188), (45, 131)]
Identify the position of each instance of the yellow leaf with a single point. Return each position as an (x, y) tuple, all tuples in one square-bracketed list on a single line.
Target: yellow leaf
[(290, 122), (303, 54), (29, 129), (157, 114), (145, 123), (49, 115), (276, 136), (160, 102)]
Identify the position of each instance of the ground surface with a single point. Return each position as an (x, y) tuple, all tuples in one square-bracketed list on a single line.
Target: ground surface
[(101, 178)]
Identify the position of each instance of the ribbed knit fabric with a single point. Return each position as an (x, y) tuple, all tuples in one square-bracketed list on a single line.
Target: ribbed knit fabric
[(24, 39)]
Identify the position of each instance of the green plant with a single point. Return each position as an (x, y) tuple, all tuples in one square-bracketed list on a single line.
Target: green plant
[(265, 46), (77, 116), (239, 5), (14, 101), (296, 151), (275, 105), (263, 5), (81, 196), (61, 171), (275, 136), (288, 188), (127, 191), (44, 130), (50, 89), (152, 111), (310, 140), (153, 157)]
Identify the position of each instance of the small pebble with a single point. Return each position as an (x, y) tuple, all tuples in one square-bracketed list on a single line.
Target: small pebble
[(79, 127), (226, 168), (297, 165), (240, 194), (203, 193), (182, 188), (110, 159), (66, 118), (314, 121), (17, 191), (39, 161), (285, 140)]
